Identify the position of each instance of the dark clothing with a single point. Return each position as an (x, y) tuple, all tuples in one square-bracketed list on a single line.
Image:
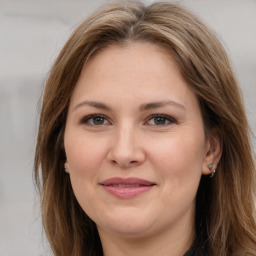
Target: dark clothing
[(195, 252), (197, 249)]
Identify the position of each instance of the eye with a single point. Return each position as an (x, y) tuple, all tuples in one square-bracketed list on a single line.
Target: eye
[(95, 120), (160, 120)]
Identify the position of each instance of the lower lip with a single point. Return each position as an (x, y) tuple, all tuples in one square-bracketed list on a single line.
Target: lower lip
[(127, 192)]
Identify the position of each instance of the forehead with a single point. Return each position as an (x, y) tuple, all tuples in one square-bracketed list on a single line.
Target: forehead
[(144, 70), (116, 61), (133, 53)]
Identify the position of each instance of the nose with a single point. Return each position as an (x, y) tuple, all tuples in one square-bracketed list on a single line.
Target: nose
[(126, 150)]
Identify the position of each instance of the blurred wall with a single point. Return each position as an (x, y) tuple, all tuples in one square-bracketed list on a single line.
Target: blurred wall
[(31, 34)]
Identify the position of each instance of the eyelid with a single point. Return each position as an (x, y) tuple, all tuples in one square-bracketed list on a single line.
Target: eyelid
[(86, 118), (167, 117)]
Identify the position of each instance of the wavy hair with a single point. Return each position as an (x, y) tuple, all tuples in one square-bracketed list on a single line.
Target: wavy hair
[(224, 205)]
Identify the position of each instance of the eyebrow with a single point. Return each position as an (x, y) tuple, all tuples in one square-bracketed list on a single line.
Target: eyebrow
[(158, 104), (143, 107), (94, 104)]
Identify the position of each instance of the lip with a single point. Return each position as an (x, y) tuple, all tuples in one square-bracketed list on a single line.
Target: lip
[(127, 187)]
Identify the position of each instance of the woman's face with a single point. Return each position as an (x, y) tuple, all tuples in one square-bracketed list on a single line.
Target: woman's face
[(135, 142)]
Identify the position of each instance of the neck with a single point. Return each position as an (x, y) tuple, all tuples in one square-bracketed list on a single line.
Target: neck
[(162, 244)]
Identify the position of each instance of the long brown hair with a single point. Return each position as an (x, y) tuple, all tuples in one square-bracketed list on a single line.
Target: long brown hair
[(225, 206)]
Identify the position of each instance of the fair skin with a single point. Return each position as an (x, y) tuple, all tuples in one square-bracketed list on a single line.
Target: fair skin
[(132, 115)]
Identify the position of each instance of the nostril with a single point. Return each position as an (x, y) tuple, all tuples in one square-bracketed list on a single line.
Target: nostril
[(114, 162), (124, 164)]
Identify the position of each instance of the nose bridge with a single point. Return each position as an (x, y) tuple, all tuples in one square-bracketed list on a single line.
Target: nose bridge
[(124, 140), (126, 150)]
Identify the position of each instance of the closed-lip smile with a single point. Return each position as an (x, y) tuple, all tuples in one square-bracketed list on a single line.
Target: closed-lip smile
[(127, 187)]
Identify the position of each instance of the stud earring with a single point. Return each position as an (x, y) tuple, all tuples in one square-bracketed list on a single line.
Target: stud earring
[(212, 171), (210, 165), (66, 167)]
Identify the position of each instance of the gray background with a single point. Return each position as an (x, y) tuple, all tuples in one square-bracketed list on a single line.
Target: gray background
[(31, 35)]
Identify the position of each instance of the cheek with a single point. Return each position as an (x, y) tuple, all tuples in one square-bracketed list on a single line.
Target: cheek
[(84, 155), (179, 159)]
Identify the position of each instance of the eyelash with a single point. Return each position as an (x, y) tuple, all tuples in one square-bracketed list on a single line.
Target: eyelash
[(86, 119), (168, 118)]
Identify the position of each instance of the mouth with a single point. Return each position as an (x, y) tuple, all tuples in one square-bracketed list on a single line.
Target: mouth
[(127, 188), (127, 185)]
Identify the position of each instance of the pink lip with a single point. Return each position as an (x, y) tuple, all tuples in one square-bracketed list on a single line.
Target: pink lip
[(127, 188)]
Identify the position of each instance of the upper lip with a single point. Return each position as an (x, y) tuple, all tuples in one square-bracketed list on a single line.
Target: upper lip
[(127, 181)]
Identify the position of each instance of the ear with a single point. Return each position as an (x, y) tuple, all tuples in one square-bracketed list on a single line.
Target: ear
[(213, 152)]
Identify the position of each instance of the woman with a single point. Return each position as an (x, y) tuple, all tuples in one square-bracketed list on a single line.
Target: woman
[(143, 145)]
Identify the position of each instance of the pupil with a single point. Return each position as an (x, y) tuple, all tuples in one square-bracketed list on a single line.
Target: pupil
[(159, 120), (98, 120)]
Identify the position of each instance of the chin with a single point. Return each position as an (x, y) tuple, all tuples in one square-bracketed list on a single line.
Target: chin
[(135, 225), (129, 231)]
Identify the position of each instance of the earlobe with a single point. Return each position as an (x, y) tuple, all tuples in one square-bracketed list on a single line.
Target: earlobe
[(66, 167), (213, 153)]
